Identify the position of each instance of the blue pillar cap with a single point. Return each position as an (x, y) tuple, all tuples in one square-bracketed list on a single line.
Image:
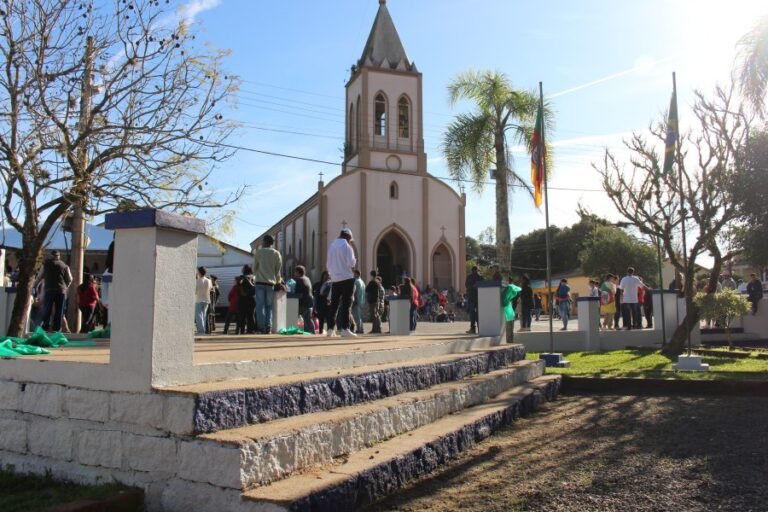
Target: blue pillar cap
[(151, 217)]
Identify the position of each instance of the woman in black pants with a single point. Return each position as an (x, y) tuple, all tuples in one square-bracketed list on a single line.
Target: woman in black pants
[(321, 293)]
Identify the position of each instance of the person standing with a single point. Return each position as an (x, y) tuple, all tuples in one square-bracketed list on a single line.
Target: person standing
[(232, 299), (321, 291), (471, 285), (608, 301), (537, 306), (359, 300), (304, 290), (630, 308), (415, 302), (341, 260), (527, 303), (563, 300), (648, 309), (266, 270), (215, 294), (246, 302), (728, 282), (754, 292), (202, 299), (57, 278), (87, 300), (374, 297)]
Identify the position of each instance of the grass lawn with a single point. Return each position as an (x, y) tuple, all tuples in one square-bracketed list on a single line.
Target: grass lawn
[(642, 363), (32, 493)]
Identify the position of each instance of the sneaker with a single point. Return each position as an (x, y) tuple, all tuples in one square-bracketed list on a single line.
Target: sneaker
[(346, 333), (332, 333)]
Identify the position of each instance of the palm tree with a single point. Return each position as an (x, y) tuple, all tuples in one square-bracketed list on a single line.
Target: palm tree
[(476, 141), (753, 65)]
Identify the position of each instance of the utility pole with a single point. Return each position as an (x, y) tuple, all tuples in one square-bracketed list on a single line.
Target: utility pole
[(80, 186)]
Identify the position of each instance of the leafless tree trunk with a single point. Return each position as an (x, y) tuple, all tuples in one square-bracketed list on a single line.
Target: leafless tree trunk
[(149, 136)]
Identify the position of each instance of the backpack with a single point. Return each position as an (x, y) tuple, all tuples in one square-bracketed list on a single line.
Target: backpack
[(246, 288)]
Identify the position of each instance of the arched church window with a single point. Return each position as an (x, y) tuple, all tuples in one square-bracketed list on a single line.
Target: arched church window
[(357, 123), (403, 118), (300, 250), (380, 115), (393, 191), (313, 249), (351, 138)]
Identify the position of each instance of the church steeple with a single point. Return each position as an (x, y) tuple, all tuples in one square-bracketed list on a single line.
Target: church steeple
[(384, 48)]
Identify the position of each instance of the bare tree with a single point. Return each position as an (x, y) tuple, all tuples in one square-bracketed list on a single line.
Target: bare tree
[(101, 109), (651, 199)]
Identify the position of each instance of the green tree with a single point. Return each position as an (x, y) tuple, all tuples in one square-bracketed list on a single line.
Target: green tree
[(612, 250), (477, 141), (752, 65), (105, 106), (722, 307), (749, 186)]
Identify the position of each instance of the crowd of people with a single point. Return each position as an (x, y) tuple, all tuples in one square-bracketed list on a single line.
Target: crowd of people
[(335, 305)]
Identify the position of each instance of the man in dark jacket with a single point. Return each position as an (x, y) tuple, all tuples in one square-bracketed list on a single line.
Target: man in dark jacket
[(374, 297), (471, 286), (304, 291), (57, 278), (754, 292)]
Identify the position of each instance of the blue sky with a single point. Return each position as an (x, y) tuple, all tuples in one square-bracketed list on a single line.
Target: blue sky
[(606, 67)]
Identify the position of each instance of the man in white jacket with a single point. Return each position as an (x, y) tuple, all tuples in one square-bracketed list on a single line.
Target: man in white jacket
[(341, 262)]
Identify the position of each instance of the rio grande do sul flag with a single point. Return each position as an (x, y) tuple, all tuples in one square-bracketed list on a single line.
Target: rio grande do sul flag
[(538, 153)]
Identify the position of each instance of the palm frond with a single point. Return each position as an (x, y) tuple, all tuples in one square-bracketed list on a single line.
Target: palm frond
[(468, 148), (753, 65)]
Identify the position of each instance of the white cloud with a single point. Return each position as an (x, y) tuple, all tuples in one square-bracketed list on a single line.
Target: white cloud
[(190, 10)]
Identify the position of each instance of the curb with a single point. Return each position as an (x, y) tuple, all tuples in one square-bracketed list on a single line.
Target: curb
[(633, 386)]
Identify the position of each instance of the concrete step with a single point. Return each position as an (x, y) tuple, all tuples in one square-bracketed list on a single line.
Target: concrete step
[(366, 476), (227, 405), (263, 453)]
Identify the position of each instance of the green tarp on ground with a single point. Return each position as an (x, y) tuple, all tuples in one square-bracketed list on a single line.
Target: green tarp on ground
[(37, 344)]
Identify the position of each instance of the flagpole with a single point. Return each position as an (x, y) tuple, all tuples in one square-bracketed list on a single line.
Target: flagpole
[(542, 165), (686, 284)]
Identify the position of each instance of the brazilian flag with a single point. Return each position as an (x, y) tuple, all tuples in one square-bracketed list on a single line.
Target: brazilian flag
[(670, 142)]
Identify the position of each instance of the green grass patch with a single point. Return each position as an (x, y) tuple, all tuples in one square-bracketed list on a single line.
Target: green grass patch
[(645, 364), (32, 493)]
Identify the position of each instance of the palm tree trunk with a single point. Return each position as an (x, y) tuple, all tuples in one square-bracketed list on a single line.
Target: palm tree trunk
[(503, 244)]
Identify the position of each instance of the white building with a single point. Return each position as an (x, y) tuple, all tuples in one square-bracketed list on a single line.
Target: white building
[(404, 220)]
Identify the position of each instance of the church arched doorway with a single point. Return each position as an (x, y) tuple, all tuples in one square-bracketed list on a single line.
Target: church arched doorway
[(442, 268), (393, 258)]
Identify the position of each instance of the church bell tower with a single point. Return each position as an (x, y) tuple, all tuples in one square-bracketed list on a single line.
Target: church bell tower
[(384, 123)]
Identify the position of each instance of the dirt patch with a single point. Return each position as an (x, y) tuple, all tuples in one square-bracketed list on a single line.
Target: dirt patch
[(611, 453)]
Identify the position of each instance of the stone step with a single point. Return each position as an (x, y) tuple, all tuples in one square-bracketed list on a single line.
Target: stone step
[(263, 453), (227, 405), (364, 477)]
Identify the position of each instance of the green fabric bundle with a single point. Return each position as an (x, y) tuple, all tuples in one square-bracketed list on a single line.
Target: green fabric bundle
[(508, 294)]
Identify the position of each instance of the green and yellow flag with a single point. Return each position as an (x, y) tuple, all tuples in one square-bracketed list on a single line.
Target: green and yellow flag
[(672, 135)]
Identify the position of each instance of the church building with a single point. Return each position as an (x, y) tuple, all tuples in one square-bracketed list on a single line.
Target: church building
[(404, 220)]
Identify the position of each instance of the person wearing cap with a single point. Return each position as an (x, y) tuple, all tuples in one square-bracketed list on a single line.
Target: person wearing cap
[(57, 278), (341, 262), (266, 270)]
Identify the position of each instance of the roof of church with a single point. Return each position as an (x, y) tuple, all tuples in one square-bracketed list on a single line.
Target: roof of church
[(384, 48)]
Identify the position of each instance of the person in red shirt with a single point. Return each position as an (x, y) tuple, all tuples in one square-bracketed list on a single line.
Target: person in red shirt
[(232, 298), (87, 300)]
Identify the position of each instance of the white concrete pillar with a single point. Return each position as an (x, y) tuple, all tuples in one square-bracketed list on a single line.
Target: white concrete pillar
[(152, 302), (588, 309), (5, 305), (280, 318), (291, 309), (757, 324), (400, 316), (669, 317), (490, 317)]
